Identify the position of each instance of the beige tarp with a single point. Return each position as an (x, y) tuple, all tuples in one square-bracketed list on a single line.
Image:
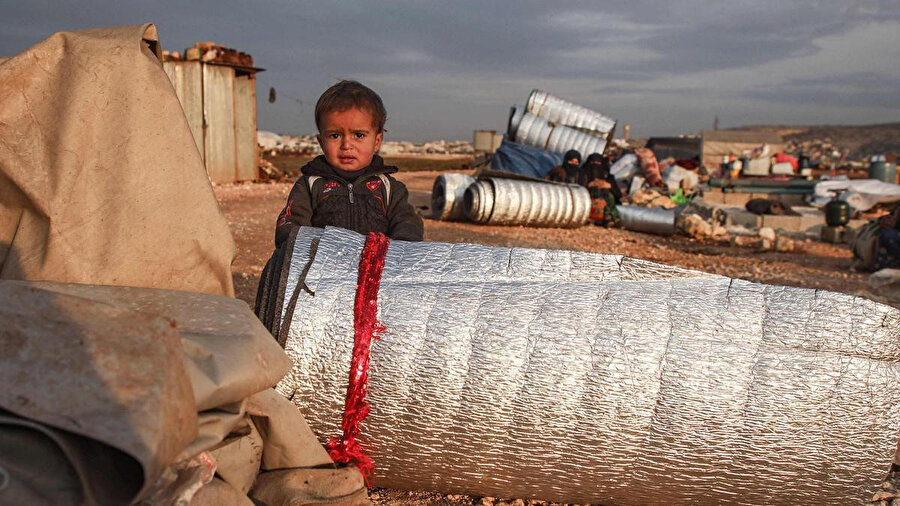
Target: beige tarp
[(112, 393), (714, 144), (100, 179), (116, 384)]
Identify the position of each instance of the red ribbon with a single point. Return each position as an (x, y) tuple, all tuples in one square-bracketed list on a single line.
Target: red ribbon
[(347, 449)]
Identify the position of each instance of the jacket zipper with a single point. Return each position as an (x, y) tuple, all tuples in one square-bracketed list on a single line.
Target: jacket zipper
[(350, 189)]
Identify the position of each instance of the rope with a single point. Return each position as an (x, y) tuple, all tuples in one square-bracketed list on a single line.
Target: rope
[(347, 449)]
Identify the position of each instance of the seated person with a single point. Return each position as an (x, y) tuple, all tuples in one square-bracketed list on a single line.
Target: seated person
[(605, 192)]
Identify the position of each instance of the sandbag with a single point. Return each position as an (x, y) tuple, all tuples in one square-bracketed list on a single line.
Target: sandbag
[(588, 378), (100, 179)]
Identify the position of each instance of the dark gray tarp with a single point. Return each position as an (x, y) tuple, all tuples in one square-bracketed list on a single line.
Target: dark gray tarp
[(674, 147)]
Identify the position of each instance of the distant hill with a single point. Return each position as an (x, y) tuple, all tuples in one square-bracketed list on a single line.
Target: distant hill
[(860, 141)]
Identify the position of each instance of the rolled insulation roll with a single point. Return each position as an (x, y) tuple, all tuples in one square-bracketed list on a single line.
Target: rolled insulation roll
[(447, 196), (498, 201), (585, 378)]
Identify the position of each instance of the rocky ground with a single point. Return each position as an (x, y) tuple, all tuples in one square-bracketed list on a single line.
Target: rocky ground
[(251, 210)]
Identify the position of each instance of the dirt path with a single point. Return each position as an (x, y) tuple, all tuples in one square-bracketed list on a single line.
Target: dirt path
[(251, 210)]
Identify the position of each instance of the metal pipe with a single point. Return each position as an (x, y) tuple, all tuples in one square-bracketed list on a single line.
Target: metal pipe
[(447, 196), (498, 201), (562, 112), (526, 128), (769, 183), (651, 220)]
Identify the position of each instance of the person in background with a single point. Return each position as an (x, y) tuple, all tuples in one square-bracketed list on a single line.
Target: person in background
[(887, 251), (568, 171), (605, 192)]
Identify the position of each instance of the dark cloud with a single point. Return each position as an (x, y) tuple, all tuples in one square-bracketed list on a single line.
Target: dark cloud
[(870, 89), (445, 68)]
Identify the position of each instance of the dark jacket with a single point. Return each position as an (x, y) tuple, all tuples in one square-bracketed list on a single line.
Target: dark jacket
[(596, 167), (357, 204)]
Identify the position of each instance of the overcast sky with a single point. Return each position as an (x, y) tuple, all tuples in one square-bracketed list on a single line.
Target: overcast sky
[(664, 66)]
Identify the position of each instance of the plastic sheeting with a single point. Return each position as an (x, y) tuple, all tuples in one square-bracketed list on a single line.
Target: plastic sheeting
[(580, 377), (516, 158), (673, 175), (861, 194), (625, 167)]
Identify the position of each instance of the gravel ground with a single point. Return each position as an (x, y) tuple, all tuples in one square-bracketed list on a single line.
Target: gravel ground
[(251, 210)]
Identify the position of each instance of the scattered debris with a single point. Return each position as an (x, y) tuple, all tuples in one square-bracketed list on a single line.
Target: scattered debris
[(651, 197)]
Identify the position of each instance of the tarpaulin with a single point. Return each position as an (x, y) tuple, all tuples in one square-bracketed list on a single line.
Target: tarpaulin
[(100, 178), (118, 393), (516, 158)]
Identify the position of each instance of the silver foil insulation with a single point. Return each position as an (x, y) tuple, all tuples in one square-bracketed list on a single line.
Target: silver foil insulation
[(501, 201), (588, 378)]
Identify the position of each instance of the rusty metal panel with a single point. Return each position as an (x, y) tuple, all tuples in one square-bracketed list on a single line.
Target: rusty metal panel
[(245, 126), (188, 82), (218, 115)]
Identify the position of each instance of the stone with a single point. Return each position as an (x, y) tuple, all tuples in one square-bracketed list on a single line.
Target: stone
[(695, 226), (767, 233), (835, 235), (784, 245)]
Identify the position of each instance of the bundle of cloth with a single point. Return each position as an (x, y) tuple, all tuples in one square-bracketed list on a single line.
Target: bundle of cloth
[(129, 373), (588, 378)]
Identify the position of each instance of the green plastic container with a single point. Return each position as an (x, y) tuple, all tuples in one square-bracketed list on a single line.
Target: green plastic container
[(883, 171), (837, 213)]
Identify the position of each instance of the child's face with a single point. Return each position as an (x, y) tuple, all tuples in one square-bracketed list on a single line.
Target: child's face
[(349, 139)]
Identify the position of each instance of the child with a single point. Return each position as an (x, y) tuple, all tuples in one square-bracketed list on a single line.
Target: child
[(349, 186), (568, 171)]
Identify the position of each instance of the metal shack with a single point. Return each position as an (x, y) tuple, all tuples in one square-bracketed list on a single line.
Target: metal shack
[(217, 90)]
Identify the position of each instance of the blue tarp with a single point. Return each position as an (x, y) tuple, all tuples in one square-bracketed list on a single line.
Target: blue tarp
[(524, 160)]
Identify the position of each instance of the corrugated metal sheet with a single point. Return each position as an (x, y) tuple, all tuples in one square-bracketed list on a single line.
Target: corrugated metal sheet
[(219, 102), (245, 127), (188, 82), (218, 115)]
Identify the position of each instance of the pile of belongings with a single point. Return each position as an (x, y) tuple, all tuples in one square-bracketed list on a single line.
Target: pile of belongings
[(861, 194), (547, 127), (130, 374)]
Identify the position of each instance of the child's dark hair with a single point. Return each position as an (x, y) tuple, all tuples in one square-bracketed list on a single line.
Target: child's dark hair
[(351, 94)]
